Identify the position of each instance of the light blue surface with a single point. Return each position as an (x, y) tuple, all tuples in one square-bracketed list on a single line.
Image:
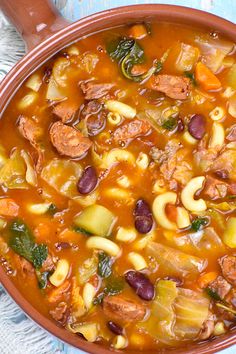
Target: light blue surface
[(75, 9)]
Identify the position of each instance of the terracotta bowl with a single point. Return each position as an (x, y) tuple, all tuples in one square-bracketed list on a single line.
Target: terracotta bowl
[(46, 32)]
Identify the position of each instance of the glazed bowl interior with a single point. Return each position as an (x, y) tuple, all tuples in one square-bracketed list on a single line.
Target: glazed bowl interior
[(35, 58)]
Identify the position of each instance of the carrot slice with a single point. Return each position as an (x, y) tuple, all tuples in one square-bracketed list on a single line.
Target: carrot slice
[(138, 31), (206, 278), (206, 78), (8, 207)]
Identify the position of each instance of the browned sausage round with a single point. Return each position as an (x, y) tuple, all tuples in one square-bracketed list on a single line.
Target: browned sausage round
[(69, 141)]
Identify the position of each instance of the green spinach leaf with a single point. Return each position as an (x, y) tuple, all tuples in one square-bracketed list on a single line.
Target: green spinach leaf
[(39, 255), (42, 279), (104, 265), (21, 239)]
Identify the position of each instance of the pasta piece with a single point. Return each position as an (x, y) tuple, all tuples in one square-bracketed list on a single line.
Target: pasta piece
[(137, 261), (126, 234), (188, 193), (103, 244), (159, 206), (61, 273), (120, 108)]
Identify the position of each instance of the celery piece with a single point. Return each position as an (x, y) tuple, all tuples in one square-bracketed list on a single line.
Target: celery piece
[(95, 219)]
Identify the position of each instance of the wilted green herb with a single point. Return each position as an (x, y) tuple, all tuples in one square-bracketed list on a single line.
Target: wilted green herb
[(114, 285), (170, 123), (104, 265), (199, 223), (39, 255)]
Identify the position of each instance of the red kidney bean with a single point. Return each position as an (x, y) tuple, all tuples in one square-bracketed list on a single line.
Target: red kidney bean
[(142, 208), (115, 328), (197, 126), (143, 224), (87, 181), (141, 284), (143, 217)]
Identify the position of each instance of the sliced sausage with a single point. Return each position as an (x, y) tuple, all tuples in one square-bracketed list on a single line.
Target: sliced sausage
[(65, 111), (220, 286), (93, 91), (176, 87), (228, 267), (69, 141), (131, 130), (119, 308), (29, 129)]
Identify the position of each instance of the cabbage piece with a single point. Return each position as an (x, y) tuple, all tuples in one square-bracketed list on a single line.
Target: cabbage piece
[(13, 173), (176, 313), (162, 317), (173, 262), (213, 51), (191, 309), (63, 176), (184, 56)]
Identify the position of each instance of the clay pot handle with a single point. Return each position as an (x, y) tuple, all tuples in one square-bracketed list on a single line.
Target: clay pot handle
[(35, 20)]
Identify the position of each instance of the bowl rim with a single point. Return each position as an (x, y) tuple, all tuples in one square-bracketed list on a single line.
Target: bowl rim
[(34, 59)]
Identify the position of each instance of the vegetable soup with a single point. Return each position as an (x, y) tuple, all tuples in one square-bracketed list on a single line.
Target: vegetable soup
[(118, 187)]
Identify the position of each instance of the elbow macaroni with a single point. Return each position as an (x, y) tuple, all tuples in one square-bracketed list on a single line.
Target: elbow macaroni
[(158, 208), (103, 244), (183, 219), (187, 195), (120, 108), (60, 274)]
